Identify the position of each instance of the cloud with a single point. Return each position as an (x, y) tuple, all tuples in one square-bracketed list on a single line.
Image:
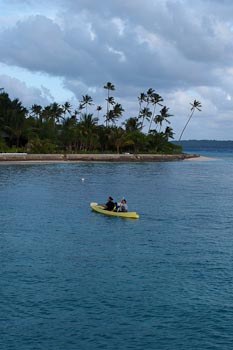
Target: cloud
[(18, 89), (182, 50), (36, 44)]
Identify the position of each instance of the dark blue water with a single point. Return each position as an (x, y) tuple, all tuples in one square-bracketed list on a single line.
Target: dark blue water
[(74, 279)]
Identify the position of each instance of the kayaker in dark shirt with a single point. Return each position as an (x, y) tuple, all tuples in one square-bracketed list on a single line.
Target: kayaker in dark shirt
[(109, 205)]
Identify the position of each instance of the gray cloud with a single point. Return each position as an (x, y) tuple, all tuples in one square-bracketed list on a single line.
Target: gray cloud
[(175, 47)]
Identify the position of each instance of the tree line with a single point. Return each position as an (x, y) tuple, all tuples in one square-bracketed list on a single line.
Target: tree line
[(60, 128)]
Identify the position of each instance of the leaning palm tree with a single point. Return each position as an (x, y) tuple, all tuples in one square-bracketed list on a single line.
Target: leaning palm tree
[(195, 105)]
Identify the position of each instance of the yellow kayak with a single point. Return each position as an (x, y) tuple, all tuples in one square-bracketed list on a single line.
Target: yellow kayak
[(100, 209)]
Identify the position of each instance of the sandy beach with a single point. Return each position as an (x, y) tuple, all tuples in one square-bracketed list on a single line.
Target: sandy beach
[(200, 159)]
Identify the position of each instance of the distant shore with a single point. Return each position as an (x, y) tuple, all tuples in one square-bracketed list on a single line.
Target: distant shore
[(127, 157)]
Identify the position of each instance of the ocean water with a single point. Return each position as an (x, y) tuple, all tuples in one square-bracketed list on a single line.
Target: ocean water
[(74, 279)]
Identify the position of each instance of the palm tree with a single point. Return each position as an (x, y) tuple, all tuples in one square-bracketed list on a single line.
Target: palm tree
[(145, 114), (88, 133), (142, 98), (86, 101), (75, 114), (109, 117), (155, 100), (132, 124), (137, 139), (110, 87), (103, 133), (117, 111), (163, 116), (114, 113), (66, 108), (68, 134), (116, 138), (88, 121), (36, 111), (16, 120), (110, 100), (110, 114), (195, 105), (150, 93), (168, 133), (98, 108), (55, 112), (45, 114), (79, 109)]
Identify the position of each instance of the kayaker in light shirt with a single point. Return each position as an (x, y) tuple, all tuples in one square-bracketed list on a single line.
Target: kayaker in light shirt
[(123, 206)]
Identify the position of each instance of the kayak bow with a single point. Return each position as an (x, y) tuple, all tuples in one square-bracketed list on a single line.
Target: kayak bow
[(100, 209)]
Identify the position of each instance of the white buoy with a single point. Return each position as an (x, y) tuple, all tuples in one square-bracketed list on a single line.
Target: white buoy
[(83, 179)]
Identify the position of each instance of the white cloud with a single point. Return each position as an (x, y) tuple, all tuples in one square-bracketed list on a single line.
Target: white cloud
[(120, 54), (18, 89), (120, 25)]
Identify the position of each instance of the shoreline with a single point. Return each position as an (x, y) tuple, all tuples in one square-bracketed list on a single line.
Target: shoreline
[(8, 158)]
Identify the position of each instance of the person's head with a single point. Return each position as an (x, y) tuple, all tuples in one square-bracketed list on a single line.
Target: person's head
[(110, 198), (123, 201)]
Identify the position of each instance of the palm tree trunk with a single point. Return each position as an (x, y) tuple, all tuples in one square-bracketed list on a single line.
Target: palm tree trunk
[(186, 125), (107, 109), (151, 119)]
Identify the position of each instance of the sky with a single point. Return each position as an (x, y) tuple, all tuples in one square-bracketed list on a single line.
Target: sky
[(59, 50)]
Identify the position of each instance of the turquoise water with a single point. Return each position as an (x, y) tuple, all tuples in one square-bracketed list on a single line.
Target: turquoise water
[(74, 279)]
